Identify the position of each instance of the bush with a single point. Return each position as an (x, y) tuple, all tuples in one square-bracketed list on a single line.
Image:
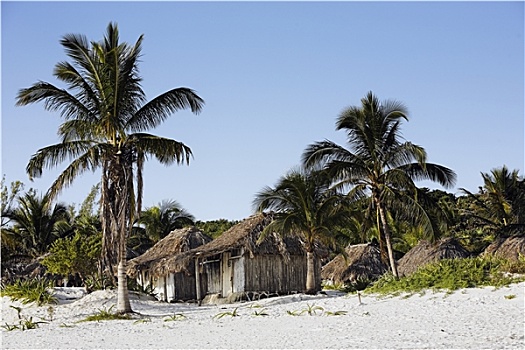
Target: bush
[(453, 274), (29, 291), (78, 254)]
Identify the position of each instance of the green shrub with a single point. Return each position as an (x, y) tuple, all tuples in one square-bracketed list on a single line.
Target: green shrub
[(452, 274), (77, 254), (29, 291)]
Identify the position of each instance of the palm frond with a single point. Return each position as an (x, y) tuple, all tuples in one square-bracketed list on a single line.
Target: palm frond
[(166, 151), (160, 108)]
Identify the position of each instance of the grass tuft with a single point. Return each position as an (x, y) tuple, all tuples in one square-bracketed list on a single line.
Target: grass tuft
[(105, 315)]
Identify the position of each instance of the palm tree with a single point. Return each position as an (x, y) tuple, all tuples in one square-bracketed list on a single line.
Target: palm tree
[(106, 115), (305, 205), (378, 162), (500, 205), (37, 223), (159, 221)]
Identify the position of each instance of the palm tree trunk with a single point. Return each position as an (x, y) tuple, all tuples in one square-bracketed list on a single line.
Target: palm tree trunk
[(121, 216), (310, 273), (388, 236), (123, 304)]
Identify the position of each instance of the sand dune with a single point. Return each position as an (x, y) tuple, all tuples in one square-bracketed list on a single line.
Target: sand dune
[(468, 319)]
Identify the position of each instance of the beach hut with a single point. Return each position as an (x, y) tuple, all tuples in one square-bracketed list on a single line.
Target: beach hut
[(362, 264), (151, 272), (511, 247), (426, 252), (236, 266)]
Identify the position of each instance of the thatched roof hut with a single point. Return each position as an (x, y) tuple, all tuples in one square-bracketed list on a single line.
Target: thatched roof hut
[(426, 252), (362, 263), (243, 235), (507, 247), (176, 242)]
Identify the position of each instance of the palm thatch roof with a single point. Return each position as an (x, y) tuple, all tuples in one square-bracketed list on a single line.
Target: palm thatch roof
[(244, 235), (176, 242), (506, 247), (426, 252), (363, 263)]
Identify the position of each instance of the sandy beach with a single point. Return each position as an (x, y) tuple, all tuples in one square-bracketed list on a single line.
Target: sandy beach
[(465, 319)]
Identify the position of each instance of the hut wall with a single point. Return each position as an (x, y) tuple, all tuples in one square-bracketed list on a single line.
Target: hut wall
[(213, 278), (238, 274), (274, 274)]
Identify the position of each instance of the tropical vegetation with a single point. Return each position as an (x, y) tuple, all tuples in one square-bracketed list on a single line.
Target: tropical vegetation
[(380, 163), (304, 204), (339, 195)]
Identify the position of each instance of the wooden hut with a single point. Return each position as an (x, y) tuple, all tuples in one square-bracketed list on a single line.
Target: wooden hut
[(237, 266), (361, 264), (507, 247), (149, 269), (426, 252)]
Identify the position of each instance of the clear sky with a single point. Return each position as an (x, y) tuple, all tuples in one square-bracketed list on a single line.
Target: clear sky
[(275, 75)]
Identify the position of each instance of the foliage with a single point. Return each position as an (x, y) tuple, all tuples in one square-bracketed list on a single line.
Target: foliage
[(158, 221), (499, 206), (29, 291), (232, 313), (175, 317), (261, 312), (8, 197), (75, 255), (451, 274), (105, 315), (106, 119), (311, 309), (379, 163), (303, 204), (336, 313), (37, 223), (24, 323), (215, 228)]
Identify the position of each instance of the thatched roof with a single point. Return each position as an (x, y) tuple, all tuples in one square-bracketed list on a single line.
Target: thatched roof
[(243, 235), (507, 247), (246, 235), (426, 252), (176, 242), (363, 262)]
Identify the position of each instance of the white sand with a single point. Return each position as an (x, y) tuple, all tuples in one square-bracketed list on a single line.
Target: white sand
[(470, 318)]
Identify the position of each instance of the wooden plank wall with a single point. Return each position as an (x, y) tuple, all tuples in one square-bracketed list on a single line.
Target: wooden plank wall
[(273, 274)]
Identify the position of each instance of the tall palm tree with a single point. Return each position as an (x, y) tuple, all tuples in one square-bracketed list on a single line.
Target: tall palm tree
[(159, 221), (377, 161), (106, 115), (37, 223), (305, 205)]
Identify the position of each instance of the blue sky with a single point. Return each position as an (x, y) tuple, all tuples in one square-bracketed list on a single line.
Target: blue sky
[(274, 76)]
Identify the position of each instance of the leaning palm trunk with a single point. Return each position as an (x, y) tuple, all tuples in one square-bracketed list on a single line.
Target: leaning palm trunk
[(311, 287), (388, 237)]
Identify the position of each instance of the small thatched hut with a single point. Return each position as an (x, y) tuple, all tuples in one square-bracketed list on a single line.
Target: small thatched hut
[(507, 247), (426, 252), (362, 263), (236, 266), (149, 268)]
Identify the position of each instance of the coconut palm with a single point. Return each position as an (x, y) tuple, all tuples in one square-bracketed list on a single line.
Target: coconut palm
[(500, 204), (378, 162), (158, 221), (37, 223), (304, 204), (106, 115)]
